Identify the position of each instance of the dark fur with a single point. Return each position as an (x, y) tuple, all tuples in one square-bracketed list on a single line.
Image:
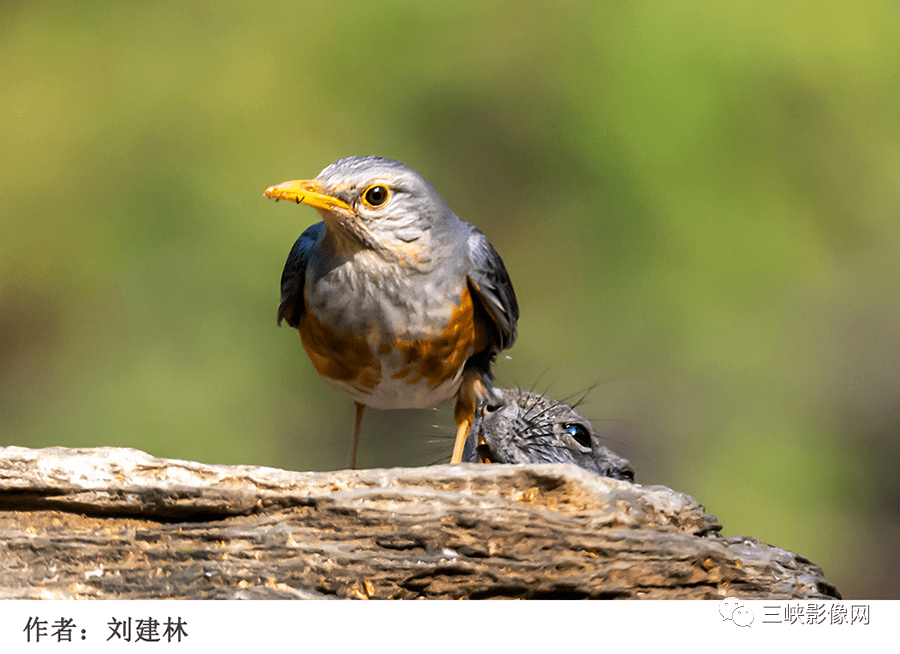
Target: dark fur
[(526, 427)]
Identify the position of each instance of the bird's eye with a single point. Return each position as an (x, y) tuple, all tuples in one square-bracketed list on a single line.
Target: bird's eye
[(579, 432), (376, 195)]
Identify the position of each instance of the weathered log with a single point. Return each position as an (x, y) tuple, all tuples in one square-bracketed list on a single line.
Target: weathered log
[(120, 524)]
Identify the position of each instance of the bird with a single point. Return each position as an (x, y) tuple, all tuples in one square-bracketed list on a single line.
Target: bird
[(398, 301), (527, 427)]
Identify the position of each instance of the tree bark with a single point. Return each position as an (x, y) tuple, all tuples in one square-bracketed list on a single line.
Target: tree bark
[(117, 523)]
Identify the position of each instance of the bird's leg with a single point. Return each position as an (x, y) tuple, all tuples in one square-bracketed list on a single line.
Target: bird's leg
[(471, 391), (355, 440), (462, 430)]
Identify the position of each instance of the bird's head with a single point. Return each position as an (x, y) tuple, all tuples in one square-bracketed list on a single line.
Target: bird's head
[(373, 203)]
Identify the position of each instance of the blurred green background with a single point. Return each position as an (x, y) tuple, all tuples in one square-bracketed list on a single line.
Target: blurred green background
[(697, 203)]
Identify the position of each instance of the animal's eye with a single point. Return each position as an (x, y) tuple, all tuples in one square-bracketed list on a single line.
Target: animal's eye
[(580, 433), (376, 195)]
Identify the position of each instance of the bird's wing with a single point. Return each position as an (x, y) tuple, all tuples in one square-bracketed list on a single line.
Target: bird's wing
[(293, 278), (489, 282)]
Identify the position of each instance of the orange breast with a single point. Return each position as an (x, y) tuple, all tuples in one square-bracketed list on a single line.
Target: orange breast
[(338, 356), (433, 361)]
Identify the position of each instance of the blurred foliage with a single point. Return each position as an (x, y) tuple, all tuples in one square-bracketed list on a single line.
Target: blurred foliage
[(697, 203)]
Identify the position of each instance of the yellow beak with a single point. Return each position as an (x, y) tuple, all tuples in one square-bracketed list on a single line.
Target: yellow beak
[(306, 191)]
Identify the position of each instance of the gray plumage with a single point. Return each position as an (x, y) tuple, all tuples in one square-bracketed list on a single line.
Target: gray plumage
[(396, 272), (398, 302)]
